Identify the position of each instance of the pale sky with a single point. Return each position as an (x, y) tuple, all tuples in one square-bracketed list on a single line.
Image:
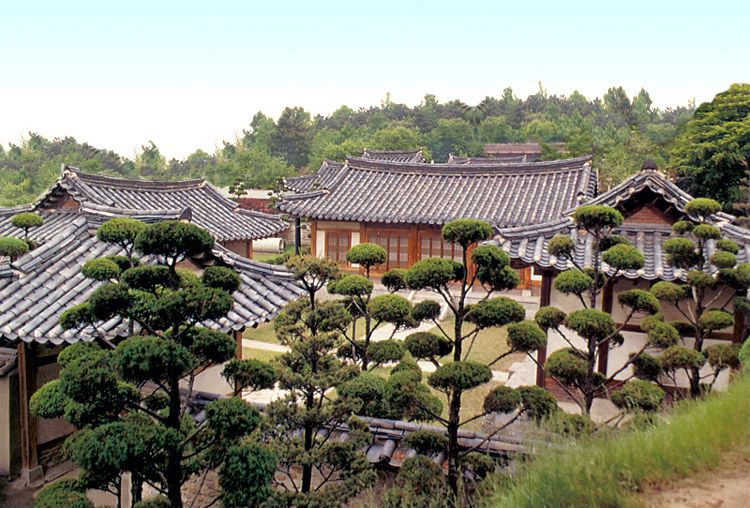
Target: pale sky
[(187, 75)]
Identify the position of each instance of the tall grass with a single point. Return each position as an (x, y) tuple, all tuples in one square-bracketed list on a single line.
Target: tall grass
[(604, 472)]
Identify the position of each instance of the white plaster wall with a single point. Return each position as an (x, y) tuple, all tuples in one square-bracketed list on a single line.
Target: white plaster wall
[(320, 244)]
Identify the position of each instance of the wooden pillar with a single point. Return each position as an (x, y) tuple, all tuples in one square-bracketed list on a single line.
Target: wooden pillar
[(314, 238), (249, 249), (544, 300), (363, 239), (297, 236), (413, 245), (738, 333), (607, 297), (30, 469), (238, 344)]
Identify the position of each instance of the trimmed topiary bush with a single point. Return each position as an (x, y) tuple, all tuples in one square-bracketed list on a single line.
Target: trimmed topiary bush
[(526, 336), (394, 280), (458, 377), (502, 400), (13, 247), (549, 317), (573, 282), (638, 395)]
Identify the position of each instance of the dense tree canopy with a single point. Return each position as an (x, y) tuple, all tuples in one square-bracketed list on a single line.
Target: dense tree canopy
[(621, 132)]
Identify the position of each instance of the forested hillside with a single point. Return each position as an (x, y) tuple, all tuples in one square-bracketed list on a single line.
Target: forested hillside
[(620, 131)]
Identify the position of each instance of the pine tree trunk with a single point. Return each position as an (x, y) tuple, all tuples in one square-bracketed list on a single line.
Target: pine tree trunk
[(174, 460)]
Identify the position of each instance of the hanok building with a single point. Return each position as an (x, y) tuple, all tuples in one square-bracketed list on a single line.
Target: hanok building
[(36, 288), (402, 206), (233, 227), (518, 152), (650, 204)]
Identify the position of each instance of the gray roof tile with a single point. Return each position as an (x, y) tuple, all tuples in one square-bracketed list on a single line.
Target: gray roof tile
[(502, 194)]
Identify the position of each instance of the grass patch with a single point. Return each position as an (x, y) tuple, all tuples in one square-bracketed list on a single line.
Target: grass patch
[(607, 471), (259, 354), (265, 333), (489, 344), (262, 333)]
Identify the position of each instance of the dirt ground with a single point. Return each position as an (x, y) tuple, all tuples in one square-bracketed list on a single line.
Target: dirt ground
[(727, 486)]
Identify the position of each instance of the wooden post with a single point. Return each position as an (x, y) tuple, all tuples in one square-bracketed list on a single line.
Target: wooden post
[(30, 469), (413, 245), (314, 238), (607, 298), (297, 236), (544, 300)]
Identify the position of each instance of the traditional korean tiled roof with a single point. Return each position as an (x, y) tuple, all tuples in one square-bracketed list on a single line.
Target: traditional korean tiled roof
[(366, 190), (512, 148), (208, 209), (506, 158), (394, 155), (530, 243), (8, 358), (318, 180), (48, 280)]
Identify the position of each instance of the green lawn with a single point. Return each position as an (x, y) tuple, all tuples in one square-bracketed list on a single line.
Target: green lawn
[(489, 344), (262, 333), (608, 470), (259, 354), (265, 333)]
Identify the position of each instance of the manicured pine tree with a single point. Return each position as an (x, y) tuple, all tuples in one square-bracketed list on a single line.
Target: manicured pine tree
[(574, 368), (127, 401), (375, 311), (452, 281), (27, 221), (711, 286), (303, 422)]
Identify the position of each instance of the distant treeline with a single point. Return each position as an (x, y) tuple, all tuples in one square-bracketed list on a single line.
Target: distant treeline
[(619, 131)]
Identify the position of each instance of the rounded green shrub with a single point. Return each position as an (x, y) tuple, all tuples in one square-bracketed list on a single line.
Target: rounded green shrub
[(121, 230), (538, 403), (221, 277), (352, 285), (465, 232), (567, 366), (707, 232), (702, 207), (669, 291), (573, 282), (366, 254), (78, 315), (723, 356), (394, 280), (407, 364), (561, 246), (590, 323), (502, 400), (744, 354), (26, 220), (100, 269), (173, 239), (427, 310), (680, 357), (250, 373), (498, 311), (595, 217), (48, 401), (681, 252), (389, 308), (426, 442), (727, 246), (623, 257), (715, 320), (610, 241), (385, 351), (457, 377), (66, 493), (646, 367), (526, 336), (683, 227), (427, 345), (638, 395), (13, 247), (723, 259), (662, 335), (549, 317), (433, 273), (699, 279), (639, 300)]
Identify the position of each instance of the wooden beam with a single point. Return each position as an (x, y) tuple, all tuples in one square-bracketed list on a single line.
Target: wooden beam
[(26, 387), (544, 299)]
